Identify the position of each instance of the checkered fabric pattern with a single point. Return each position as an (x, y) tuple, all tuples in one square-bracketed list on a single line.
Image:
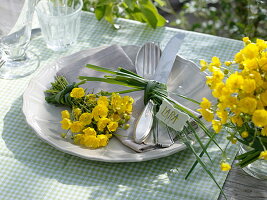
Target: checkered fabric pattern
[(30, 169)]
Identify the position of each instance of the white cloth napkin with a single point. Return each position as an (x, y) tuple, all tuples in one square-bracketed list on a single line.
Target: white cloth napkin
[(110, 57)]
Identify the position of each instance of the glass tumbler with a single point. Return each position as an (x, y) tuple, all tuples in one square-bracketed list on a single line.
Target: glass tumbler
[(15, 62), (60, 22)]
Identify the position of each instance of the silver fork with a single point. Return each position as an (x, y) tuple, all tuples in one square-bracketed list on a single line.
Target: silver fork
[(146, 63)]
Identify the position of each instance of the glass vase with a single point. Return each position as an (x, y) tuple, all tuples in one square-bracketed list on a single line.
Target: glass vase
[(258, 168)]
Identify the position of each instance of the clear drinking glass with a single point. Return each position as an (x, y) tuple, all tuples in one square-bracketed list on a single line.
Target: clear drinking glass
[(14, 62), (60, 22)]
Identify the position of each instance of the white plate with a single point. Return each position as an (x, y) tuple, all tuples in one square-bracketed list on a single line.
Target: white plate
[(44, 118)]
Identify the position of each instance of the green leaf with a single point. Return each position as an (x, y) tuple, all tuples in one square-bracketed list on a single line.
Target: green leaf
[(109, 13), (100, 12), (149, 17), (130, 3), (161, 3)]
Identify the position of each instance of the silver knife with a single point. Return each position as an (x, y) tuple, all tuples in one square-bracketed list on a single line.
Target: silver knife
[(161, 75)]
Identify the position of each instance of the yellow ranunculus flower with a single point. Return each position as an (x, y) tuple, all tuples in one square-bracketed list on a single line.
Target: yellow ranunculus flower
[(247, 105), (238, 57), (250, 64), (216, 61), (261, 44), (116, 101), (218, 75), (127, 100), (77, 93), (103, 140), (89, 131), (257, 77), (259, 118), (86, 118), (222, 114), (229, 101), (115, 117), (264, 131), (250, 51), (91, 141), (207, 114), (263, 97), (65, 123), (263, 63), (203, 64), (129, 108), (216, 125), (112, 126), (77, 112), (65, 114), (103, 100), (102, 123), (249, 85), (263, 155), (235, 81), (246, 40), (225, 166), (100, 111), (237, 120), (76, 127), (205, 104), (218, 90)]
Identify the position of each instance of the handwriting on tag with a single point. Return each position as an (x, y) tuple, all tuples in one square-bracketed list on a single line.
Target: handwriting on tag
[(171, 116)]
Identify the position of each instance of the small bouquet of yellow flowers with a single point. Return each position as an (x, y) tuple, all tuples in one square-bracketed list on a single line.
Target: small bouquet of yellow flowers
[(240, 90), (93, 118)]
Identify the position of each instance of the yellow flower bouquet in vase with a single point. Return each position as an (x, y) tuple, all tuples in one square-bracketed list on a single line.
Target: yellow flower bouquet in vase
[(240, 90)]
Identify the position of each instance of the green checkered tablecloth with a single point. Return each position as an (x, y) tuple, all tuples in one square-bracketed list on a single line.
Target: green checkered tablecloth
[(31, 169)]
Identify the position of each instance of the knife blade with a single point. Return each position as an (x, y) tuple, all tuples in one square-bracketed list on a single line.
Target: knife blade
[(161, 75), (168, 57)]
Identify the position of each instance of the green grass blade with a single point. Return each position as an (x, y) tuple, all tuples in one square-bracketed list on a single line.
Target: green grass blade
[(187, 98), (199, 122), (107, 80), (198, 139), (126, 91), (129, 72), (100, 69), (200, 155), (249, 159), (203, 165), (242, 156)]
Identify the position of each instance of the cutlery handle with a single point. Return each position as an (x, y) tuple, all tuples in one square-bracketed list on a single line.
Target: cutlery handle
[(144, 123)]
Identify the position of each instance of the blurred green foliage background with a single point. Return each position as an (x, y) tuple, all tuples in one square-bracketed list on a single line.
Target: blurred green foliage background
[(228, 18)]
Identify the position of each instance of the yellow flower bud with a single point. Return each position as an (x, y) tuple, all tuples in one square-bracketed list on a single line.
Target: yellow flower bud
[(225, 166), (244, 134), (263, 155)]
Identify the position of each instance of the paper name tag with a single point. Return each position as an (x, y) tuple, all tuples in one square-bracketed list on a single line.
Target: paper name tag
[(171, 116)]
